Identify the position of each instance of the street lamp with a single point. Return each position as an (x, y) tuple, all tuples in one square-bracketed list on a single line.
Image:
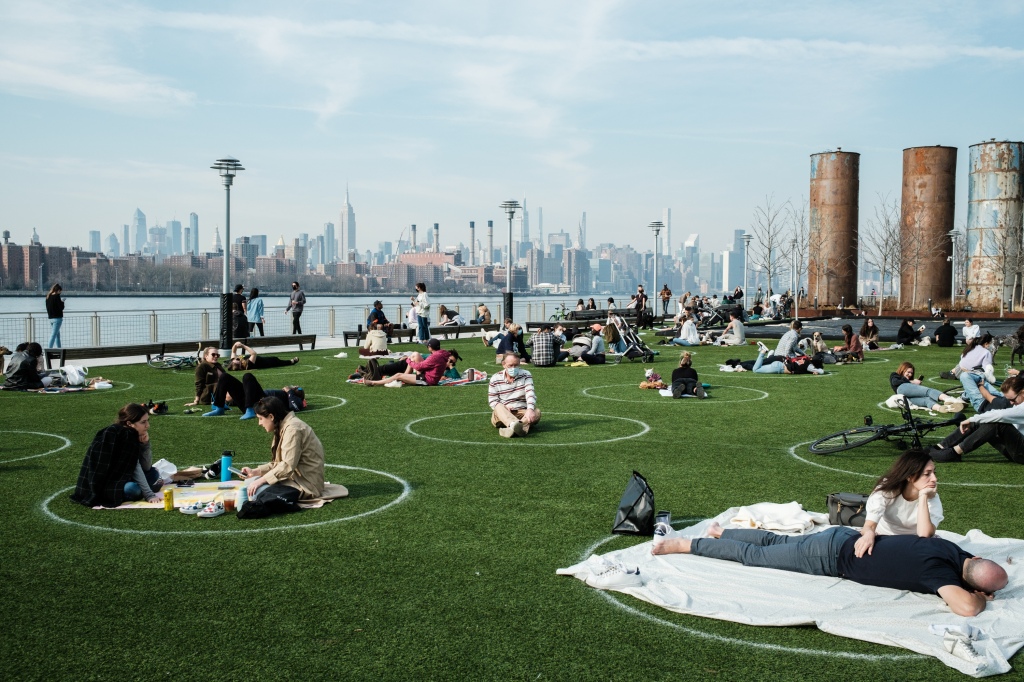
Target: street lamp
[(952, 270), (794, 278), (227, 167), (656, 228), (746, 250), (510, 207)]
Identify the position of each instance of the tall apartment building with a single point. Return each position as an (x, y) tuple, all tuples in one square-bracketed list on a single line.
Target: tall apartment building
[(348, 228), (139, 230), (193, 229)]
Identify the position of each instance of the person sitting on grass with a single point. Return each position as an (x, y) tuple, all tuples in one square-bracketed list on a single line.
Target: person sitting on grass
[(902, 562), (688, 335), (945, 335), (296, 470), (245, 358), (971, 330), (598, 348), (23, 369), (851, 348), (903, 383), (547, 348), (419, 371), (377, 317), (207, 373), (734, 334), (512, 400), (246, 393), (907, 335), (512, 342), (975, 369), (905, 501), (999, 428), (376, 342), (118, 464), (868, 335), (685, 380)]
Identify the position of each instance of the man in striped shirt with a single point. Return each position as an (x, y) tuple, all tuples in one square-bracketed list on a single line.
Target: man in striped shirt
[(512, 400)]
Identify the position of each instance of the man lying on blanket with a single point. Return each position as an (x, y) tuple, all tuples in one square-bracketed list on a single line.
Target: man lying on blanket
[(903, 562)]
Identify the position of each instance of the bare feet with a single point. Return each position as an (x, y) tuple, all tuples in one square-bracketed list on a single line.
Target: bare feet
[(714, 530), (672, 546)]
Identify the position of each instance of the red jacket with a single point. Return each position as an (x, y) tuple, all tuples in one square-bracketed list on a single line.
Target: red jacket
[(431, 367)]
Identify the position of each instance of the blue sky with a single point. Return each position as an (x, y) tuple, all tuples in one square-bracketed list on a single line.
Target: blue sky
[(439, 111)]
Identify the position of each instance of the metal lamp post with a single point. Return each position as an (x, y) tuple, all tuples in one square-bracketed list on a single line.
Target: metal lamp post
[(952, 270), (227, 167), (794, 280), (656, 228), (510, 207), (746, 250)]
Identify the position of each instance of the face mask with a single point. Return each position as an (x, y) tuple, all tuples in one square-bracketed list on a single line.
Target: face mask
[(512, 372)]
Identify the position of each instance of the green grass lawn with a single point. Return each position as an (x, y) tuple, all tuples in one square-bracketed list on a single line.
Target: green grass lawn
[(457, 581)]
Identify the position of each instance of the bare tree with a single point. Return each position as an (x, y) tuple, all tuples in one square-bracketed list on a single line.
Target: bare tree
[(883, 247), (797, 216), (768, 229)]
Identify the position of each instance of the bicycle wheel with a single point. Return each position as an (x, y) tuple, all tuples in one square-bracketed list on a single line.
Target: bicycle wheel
[(847, 440), (164, 362)]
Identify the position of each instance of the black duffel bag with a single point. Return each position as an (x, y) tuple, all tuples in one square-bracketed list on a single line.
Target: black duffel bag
[(636, 509)]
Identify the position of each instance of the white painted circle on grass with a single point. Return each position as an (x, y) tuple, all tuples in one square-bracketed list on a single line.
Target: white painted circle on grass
[(611, 599), (406, 491), (716, 401), (792, 452), (531, 441), (67, 444)]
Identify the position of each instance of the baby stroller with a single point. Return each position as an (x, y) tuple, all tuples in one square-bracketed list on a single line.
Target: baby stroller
[(635, 347)]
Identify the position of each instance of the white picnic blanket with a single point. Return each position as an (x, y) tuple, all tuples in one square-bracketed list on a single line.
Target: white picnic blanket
[(761, 596)]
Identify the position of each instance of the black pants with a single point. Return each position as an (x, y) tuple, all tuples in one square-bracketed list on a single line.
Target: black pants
[(253, 326), (269, 362), (246, 392), (682, 387), (593, 359), (393, 368), (1003, 437), (296, 327)]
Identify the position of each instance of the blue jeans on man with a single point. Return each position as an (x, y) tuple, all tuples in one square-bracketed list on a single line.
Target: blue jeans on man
[(970, 381), (774, 367), (814, 554)]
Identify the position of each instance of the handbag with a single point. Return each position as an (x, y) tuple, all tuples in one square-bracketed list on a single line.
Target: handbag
[(847, 509), (636, 509)]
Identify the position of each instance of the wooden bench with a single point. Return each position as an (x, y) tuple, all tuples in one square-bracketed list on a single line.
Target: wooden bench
[(360, 335), (62, 355), (446, 331)]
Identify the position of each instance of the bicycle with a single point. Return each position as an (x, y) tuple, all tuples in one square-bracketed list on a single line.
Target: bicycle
[(912, 427), (561, 313), (173, 361)]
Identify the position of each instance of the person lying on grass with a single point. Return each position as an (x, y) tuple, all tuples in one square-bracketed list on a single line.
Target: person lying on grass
[(781, 364), (903, 383), (245, 358), (999, 428), (905, 501), (512, 400), (685, 380), (417, 369), (296, 470), (118, 464), (246, 393), (902, 562)]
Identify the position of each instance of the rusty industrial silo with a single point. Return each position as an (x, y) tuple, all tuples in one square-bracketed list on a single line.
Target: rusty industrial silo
[(926, 218), (994, 196), (832, 262)]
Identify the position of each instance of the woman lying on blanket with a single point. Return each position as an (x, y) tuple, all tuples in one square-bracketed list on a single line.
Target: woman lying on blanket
[(245, 358), (118, 465), (903, 383), (905, 501), (416, 369), (296, 470), (247, 392)]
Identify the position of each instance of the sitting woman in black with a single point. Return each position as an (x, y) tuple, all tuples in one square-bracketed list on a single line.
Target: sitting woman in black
[(685, 380), (907, 334)]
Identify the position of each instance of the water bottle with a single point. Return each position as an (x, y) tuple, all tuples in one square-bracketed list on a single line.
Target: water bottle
[(225, 465)]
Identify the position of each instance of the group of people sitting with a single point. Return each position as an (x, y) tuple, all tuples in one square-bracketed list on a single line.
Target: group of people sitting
[(215, 386), (25, 372)]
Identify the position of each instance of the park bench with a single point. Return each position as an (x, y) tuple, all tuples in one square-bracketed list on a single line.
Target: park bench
[(410, 334), (63, 355)]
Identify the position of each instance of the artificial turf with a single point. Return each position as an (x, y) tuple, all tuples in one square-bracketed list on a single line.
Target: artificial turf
[(457, 581)]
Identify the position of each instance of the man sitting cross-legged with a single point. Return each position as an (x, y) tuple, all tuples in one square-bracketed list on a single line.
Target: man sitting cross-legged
[(903, 562), (512, 400)]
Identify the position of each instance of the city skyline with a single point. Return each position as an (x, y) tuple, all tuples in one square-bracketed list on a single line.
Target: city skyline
[(438, 115)]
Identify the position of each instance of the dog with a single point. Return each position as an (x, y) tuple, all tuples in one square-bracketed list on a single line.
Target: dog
[(818, 343), (1014, 341)]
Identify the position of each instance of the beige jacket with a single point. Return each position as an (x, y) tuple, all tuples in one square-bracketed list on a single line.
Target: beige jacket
[(376, 340), (298, 458)]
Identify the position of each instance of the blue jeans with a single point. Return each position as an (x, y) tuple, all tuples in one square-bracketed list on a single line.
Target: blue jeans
[(422, 328), (683, 342), (133, 492), (970, 381), (814, 554), (777, 367), (55, 324), (920, 395)]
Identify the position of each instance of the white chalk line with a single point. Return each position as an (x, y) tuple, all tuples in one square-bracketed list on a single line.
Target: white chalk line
[(714, 400), (406, 491), (792, 452), (67, 444), (529, 442), (734, 640)]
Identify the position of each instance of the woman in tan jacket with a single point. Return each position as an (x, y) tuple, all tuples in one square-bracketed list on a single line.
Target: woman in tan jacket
[(297, 468)]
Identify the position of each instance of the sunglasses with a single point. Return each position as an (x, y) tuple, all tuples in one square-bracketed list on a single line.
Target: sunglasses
[(214, 355)]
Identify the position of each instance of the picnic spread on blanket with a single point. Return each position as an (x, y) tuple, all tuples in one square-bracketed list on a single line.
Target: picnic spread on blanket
[(713, 588)]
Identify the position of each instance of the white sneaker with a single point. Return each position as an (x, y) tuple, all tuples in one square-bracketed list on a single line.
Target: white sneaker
[(960, 646), (616, 577), (506, 432), (661, 531), (763, 348)]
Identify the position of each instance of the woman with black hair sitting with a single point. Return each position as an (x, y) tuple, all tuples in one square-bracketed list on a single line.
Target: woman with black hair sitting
[(117, 467), (296, 469)]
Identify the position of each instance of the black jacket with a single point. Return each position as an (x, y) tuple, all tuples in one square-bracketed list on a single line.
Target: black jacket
[(54, 307), (108, 465), (22, 374)]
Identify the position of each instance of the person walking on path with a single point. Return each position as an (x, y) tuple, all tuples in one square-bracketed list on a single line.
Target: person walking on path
[(295, 305), (666, 298), (55, 311)]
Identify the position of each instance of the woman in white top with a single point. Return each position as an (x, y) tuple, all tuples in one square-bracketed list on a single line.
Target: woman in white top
[(422, 304), (971, 330), (688, 336), (905, 502)]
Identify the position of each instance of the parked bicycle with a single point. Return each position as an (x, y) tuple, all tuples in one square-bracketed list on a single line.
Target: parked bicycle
[(561, 313), (173, 361), (912, 428)]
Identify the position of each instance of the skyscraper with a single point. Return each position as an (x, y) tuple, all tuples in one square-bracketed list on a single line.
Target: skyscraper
[(329, 253), (193, 226), (113, 246), (174, 232), (581, 233), (540, 226), (139, 230), (126, 244), (216, 240), (524, 223), (94, 241), (348, 227)]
